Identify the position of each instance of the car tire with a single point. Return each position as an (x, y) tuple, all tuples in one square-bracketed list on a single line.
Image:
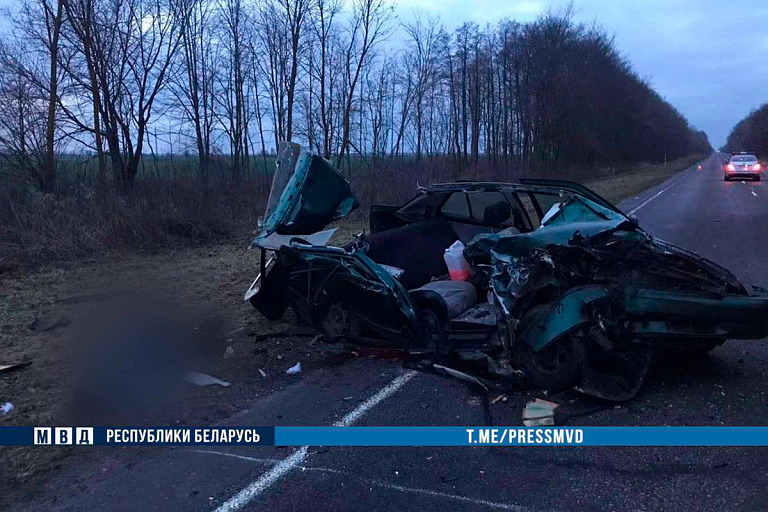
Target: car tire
[(757, 178), (726, 178), (556, 367), (338, 323)]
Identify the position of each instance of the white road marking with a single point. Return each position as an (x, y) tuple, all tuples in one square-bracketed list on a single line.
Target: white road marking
[(380, 483), (236, 456), (295, 460), (426, 492), (753, 193), (657, 194)]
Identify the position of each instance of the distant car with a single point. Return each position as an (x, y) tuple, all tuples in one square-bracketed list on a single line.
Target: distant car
[(742, 165)]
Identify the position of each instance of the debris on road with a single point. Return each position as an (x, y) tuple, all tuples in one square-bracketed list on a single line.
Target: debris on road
[(294, 370), (263, 373), (539, 412), (229, 353), (7, 368), (202, 379), (43, 325), (6, 408)]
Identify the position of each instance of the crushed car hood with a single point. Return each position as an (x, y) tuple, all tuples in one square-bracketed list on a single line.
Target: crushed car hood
[(515, 245)]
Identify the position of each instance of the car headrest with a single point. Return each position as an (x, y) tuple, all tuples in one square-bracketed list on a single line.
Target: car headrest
[(497, 213)]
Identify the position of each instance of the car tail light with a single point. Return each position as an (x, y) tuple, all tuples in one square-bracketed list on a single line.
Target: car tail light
[(730, 167), (756, 167)]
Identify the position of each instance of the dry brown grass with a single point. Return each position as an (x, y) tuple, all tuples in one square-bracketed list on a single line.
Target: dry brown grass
[(619, 186), (179, 211)]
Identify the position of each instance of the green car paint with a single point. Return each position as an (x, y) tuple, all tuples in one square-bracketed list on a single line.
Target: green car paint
[(307, 194)]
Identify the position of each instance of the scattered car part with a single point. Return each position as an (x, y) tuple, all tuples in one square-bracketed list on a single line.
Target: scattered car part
[(294, 370), (7, 368), (539, 412), (202, 379)]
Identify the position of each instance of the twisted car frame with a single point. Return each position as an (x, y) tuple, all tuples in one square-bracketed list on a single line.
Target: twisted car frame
[(566, 290)]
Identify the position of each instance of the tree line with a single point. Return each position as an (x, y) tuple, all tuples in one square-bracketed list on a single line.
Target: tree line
[(225, 80), (750, 134)]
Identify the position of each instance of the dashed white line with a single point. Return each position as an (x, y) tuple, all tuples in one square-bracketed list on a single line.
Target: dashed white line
[(381, 483), (236, 456), (753, 193), (295, 460), (657, 194), (372, 402), (426, 492)]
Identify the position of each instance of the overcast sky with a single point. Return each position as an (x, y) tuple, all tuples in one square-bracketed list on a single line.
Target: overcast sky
[(708, 58)]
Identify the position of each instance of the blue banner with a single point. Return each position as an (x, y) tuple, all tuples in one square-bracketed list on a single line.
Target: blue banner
[(522, 436), (385, 436)]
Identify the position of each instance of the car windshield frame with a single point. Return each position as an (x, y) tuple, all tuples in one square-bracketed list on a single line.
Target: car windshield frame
[(586, 205)]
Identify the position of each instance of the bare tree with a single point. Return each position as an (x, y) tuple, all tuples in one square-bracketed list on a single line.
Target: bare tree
[(369, 25), (194, 79), (130, 46), (23, 120), (34, 57), (424, 58), (232, 82), (324, 28)]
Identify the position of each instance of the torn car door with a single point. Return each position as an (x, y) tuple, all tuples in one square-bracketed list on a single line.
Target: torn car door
[(307, 194)]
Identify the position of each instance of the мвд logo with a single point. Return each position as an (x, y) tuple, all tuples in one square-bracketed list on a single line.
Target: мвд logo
[(63, 435)]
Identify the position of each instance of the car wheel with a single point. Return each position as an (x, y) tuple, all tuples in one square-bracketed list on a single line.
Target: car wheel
[(338, 323), (556, 367), (725, 178), (757, 178)]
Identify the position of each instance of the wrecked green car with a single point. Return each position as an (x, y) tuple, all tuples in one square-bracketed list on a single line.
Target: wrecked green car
[(565, 290)]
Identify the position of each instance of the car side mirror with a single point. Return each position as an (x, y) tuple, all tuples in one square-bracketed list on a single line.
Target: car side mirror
[(635, 221)]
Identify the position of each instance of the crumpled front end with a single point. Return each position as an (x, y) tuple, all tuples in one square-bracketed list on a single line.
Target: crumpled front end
[(607, 300)]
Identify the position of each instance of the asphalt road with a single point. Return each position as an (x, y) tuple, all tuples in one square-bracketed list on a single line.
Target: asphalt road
[(724, 221)]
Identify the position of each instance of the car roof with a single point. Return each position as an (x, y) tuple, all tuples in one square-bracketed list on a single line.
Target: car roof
[(483, 185)]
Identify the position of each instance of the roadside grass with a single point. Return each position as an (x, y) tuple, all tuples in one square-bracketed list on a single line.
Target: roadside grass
[(620, 186), (173, 208)]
